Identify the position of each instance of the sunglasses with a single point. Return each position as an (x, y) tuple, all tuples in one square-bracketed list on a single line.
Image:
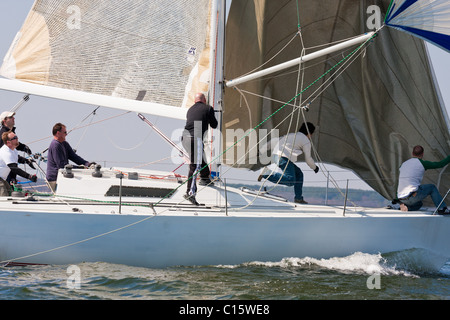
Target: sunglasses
[(13, 138)]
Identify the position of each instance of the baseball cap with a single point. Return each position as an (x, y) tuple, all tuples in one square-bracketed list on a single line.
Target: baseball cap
[(6, 114)]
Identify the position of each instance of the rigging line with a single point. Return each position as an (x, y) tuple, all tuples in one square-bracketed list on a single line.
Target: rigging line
[(300, 80), (309, 97), (305, 48), (322, 164), (170, 157), (246, 104), (131, 148), (273, 57), (335, 75), (96, 122), (334, 42), (329, 81), (93, 113), (44, 177), (310, 65), (153, 162), (300, 74), (20, 103)]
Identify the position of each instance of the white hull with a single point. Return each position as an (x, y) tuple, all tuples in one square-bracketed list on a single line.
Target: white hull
[(174, 232)]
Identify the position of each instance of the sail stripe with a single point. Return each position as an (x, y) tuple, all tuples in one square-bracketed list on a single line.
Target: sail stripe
[(427, 19), (438, 39), (405, 5)]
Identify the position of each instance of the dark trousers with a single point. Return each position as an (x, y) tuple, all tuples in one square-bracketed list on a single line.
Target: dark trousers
[(293, 176), (194, 148)]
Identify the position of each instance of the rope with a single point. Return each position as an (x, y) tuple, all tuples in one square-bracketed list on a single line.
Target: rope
[(301, 75), (96, 122)]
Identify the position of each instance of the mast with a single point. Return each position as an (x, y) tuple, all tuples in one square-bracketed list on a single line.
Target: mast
[(217, 38)]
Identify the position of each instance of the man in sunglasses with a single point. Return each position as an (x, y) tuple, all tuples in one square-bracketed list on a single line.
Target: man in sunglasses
[(8, 122), (8, 163)]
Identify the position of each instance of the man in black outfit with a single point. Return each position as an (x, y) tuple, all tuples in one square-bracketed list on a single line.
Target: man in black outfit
[(198, 117)]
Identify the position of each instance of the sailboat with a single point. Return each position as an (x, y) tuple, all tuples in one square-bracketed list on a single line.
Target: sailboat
[(371, 93)]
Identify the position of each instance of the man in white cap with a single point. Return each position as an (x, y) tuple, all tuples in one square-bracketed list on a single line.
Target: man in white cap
[(8, 121)]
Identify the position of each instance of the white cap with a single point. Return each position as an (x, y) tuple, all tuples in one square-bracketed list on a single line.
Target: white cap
[(6, 114)]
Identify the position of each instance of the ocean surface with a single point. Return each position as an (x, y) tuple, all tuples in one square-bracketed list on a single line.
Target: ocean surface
[(356, 277)]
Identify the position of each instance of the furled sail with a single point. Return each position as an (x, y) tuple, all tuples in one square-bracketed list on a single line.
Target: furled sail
[(428, 19), (367, 119), (152, 51)]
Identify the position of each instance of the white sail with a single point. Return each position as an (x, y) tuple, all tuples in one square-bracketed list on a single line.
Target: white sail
[(153, 51)]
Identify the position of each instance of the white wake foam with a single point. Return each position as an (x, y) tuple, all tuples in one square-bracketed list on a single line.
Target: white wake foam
[(407, 263), (358, 262)]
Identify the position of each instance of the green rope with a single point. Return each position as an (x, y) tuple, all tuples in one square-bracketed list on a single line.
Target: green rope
[(298, 17), (387, 12)]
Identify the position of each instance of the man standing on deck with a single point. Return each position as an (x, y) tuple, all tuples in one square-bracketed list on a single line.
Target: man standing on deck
[(198, 118), (410, 191), (59, 154)]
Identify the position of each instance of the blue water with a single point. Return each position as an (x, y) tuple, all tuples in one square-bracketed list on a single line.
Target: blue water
[(356, 277)]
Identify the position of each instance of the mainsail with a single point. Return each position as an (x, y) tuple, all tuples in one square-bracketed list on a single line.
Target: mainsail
[(368, 119), (153, 51)]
